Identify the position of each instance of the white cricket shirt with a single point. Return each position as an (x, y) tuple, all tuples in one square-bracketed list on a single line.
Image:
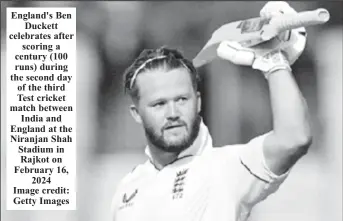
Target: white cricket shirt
[(203, 184)]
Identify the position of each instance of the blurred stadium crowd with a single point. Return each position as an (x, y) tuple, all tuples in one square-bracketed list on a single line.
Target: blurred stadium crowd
[(110, 34)]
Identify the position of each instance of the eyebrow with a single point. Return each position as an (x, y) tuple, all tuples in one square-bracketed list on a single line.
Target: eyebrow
[(157, 99)]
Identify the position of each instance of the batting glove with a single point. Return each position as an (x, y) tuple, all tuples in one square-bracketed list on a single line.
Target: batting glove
[(293, 42), (278, 53), (266, 59)]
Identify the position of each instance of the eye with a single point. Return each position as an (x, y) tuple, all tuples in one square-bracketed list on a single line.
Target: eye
[(159, 104), (182, 99)]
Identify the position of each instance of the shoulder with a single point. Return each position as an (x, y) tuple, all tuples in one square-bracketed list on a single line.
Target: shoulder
[(137, 173), (234, 154), (224, 156), (255, 143), (227, 150), (132, 179), (129, 182)]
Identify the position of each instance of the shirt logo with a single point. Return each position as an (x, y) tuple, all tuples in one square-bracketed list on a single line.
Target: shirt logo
[(127, 201), (179, 183)]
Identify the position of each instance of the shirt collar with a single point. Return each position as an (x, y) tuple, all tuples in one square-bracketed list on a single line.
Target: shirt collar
[(200, 144)]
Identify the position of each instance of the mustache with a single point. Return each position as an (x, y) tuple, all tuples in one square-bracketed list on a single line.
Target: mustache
[(174, 124)]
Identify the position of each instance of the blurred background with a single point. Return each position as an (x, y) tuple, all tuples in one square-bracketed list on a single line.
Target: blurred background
[(235, 101)]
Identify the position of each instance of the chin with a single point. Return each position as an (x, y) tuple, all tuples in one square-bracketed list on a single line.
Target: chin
[(176, 146)]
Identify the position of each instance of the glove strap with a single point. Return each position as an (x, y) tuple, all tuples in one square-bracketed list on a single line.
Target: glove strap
[(272, 62), (276, 68)]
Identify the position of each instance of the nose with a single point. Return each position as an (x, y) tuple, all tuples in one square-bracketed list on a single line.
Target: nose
[(173, 111)]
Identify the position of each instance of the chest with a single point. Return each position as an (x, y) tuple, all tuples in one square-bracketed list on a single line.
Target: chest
[(198, 189), (178, 192)]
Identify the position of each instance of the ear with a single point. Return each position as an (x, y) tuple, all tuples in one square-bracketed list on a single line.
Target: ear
[(199, 101), (135, 114)]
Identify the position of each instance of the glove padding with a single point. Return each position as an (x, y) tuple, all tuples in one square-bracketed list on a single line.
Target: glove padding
[(293, 41), (277, 53), (264, 58), (276, 8)]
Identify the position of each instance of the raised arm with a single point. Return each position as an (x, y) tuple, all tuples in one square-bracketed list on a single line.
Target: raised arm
[(291, 134)]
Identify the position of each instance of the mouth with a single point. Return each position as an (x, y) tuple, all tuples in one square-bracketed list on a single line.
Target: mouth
[(174, 126)]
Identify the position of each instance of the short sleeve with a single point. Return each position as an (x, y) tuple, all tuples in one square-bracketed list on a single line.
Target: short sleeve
[(257, 181), (252, 157)]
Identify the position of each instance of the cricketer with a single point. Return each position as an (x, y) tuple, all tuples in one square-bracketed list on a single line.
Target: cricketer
[(185, 178)]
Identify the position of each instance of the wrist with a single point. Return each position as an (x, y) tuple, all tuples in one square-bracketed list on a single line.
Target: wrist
[(272, 62), (276, 69)]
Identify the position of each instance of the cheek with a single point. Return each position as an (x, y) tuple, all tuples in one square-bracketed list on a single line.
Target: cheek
[(153, 119), (190, 111)]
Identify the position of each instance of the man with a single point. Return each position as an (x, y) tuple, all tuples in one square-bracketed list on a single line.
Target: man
[(186, 178)]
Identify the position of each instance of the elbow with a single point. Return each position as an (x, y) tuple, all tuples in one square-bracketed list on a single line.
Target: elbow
[(302, 138), (297, 139), (303, 141), (306, 140), (298, 145)]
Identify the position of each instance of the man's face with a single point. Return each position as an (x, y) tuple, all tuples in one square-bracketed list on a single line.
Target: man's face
[(168, 108)]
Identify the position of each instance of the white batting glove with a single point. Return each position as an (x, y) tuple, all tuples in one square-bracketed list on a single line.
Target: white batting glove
[(278, 53), (275, 8), (264, 57), (293, 41)]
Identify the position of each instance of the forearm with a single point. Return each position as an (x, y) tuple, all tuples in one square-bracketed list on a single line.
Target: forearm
[(289, 108)]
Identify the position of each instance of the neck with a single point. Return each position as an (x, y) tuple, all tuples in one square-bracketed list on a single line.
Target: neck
[(161, 158)]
